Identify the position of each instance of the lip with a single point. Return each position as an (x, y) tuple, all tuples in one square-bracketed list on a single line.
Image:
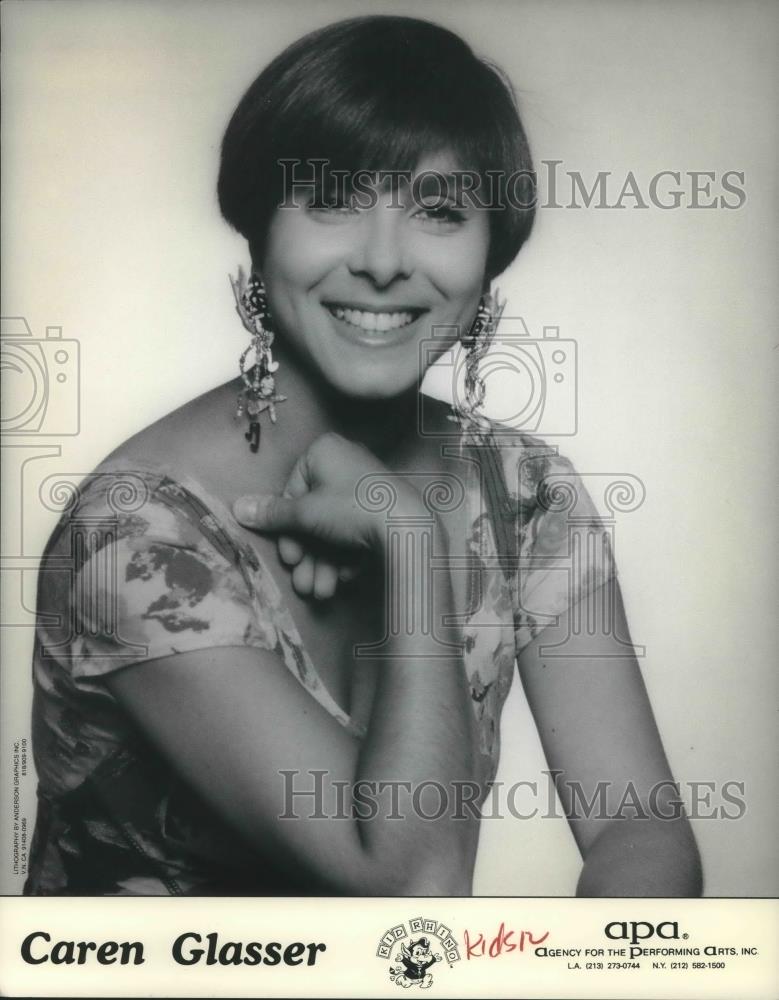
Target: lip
[(374, 338), (374, 307)]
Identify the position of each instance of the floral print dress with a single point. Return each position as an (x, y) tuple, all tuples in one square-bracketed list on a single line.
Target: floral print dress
[(144, 563)]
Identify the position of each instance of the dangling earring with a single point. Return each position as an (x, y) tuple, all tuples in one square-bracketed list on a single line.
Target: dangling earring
[(477, 342), (251, 304)]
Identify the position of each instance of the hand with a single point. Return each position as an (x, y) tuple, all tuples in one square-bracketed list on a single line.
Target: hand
[(319, 504), (313, 572)]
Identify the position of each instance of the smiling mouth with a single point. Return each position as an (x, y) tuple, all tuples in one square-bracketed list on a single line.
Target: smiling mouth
[(373, 319)]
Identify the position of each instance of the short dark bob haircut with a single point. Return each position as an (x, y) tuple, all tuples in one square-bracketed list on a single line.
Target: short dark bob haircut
[(375, 93)]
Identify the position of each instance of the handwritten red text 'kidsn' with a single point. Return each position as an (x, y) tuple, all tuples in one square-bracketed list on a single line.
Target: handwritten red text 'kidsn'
[(502, 943)]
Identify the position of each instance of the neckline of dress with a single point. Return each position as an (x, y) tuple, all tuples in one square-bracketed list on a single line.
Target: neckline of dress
[(227, 522)]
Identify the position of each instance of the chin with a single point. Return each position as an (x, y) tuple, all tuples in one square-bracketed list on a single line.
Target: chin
[(370, 394), (368, 386)]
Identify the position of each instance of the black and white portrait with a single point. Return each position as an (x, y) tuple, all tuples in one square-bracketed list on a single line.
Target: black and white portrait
[(388, 449)]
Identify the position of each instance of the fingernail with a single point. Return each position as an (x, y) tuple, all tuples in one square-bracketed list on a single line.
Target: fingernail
[(251, 509), (244, 508)]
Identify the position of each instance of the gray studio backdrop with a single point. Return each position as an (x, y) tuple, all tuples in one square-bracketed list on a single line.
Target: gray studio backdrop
[(113, 114)]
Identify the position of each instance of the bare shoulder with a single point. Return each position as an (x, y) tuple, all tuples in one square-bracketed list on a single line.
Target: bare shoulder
[(185, 437), (203, 442)]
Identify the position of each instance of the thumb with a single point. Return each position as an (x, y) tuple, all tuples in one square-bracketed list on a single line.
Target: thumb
[(267, 513)]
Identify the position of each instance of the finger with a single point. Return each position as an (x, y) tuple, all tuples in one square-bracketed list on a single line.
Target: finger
[(303, 576), (297, 484), (302, 479), (268, 513), (327, 518), (325, 579), (290, 550)]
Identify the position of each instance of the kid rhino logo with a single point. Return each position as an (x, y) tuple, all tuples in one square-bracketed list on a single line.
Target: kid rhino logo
[(415, 958), (412, 953)]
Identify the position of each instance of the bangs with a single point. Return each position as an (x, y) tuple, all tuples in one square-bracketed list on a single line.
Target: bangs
[(371, 94), (393, 101), (382, 144)]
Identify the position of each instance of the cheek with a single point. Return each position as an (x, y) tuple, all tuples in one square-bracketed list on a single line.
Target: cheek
[(465, 275), (458, 265), (298, 253)]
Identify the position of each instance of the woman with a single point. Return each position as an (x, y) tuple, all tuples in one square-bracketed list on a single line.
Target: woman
[(200, 703)]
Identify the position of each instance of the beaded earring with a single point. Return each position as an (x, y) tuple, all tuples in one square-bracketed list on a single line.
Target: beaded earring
[(259, 392), (477, 342)]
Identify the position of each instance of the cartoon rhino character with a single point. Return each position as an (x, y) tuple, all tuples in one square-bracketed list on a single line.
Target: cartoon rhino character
[(415, 960)]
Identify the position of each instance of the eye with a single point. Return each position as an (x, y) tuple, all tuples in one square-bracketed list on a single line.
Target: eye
[(439, 214), (338, 206), (333, 203)]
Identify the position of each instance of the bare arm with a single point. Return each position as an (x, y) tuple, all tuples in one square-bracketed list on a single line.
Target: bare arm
[(231, 720), (598, 731)]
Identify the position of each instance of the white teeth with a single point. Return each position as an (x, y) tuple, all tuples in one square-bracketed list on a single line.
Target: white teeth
[(379, 321)]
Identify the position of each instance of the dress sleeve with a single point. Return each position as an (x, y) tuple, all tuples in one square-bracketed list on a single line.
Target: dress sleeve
[(140, 568), (564, 546)]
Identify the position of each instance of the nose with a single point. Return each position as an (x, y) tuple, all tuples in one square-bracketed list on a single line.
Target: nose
[(379, 253)]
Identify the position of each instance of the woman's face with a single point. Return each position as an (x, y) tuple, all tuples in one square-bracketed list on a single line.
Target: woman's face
[(356, 289)]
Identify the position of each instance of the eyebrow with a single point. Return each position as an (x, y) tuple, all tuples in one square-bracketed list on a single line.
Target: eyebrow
[(436, 184), (455, 186)]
